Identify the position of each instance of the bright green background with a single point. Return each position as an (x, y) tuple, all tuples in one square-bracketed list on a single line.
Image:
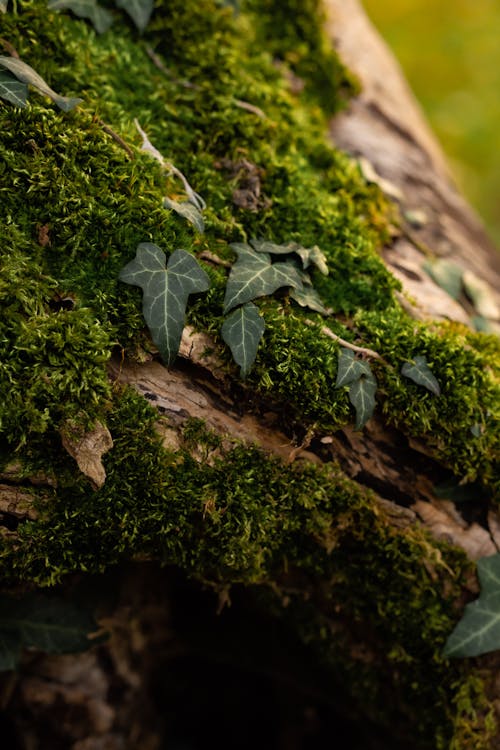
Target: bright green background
[(450, 51)]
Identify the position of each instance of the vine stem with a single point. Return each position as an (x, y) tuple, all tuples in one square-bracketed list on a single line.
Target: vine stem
[(347, 344)]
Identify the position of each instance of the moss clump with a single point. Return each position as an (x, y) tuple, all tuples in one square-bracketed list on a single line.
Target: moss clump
[(240, 517)]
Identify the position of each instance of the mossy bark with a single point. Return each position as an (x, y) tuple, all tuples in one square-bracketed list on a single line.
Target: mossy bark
[(238, 529)]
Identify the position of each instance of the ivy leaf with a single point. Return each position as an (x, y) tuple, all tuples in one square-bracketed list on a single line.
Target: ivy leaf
[(478, 632), (165, 292), (308, 256), (188, 211), (350, 369), (362, 397), (25, 73), (138, 10), (10, 649), (99, 17), (419, 372), (253, 275), (313, 256), (242, 332), (309, 297), (12, 90), (46, 623)]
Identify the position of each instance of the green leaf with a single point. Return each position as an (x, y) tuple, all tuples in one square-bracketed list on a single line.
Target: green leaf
[(242, 332), (12, 90), (350, 368), (254, 276), (46, 623), (99, 17), (309, 297), (362, 397), (188, 211), (138, 10), (446, 274), (419, 372), (25, 73), (313, 256), (478, 632), (10, 649), (308, 256), (165, 292)]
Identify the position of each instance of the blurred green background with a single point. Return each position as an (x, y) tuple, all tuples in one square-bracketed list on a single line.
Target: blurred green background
[(450, 52)]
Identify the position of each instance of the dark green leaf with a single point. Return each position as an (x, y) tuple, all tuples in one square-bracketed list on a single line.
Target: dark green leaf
[(138, 10), (10, 649), (242, 332), (12, 90), (350, 368), (166, 292), (25, 73), (309, 297), (99, 17), (451, 489), (478, 632), (254, 276), (419, 372), (188, 211), (46, 623), (362, 397)]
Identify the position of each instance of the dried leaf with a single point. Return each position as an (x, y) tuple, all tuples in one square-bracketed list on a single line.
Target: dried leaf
[(25, 73), (188, 211), (88, 448)]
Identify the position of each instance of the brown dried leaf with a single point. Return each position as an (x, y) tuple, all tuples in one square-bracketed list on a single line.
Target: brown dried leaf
[(87, 448)]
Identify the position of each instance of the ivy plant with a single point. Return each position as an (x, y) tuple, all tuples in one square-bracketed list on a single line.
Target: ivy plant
[(165, 292), (16, 76), (47, 623), (478, 632)]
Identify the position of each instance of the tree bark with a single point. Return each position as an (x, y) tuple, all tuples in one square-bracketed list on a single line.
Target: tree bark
[(238, 657)]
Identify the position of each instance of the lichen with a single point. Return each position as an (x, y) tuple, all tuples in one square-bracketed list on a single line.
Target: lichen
[(75, 207)]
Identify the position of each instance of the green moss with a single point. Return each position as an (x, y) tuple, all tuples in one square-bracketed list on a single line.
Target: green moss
[(241, 517), (238, 517)]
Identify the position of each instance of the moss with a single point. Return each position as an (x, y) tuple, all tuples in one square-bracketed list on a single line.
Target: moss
[(238, 517), (323, 541)]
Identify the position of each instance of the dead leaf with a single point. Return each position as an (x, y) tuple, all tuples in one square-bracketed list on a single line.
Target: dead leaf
[(87, 448)]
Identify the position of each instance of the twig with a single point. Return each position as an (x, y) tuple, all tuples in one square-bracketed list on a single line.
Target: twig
[(161, 66), (115, 137), (10, 48), (213, 258), (359, 349), (250, 108)]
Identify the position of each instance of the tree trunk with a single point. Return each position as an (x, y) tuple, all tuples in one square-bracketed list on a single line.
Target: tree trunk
[(260, 571)]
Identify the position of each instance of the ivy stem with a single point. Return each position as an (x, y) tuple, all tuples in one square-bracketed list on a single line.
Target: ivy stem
[(347, 344)]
